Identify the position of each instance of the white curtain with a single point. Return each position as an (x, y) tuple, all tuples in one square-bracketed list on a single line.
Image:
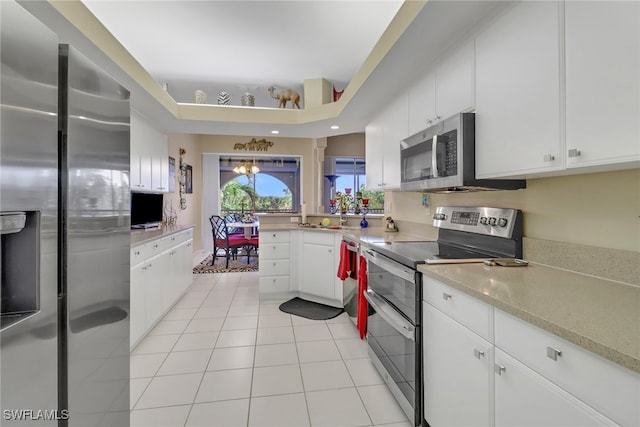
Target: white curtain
[(210, 196)]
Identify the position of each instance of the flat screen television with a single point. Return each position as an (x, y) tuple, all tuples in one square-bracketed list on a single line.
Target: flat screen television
[(146, 210)]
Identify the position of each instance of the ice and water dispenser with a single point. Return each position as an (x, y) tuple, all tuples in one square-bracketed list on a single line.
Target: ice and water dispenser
[(19, 265)]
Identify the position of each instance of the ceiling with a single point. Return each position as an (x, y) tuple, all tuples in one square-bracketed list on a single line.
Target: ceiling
[(370, 49), (240, 45)]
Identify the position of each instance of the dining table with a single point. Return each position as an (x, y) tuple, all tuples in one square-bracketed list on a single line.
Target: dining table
[(248, 227)]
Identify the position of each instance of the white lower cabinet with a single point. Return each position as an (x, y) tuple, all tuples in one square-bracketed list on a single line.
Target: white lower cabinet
[(317, 278), (525, 398), (160, 273), (301, 262), (524, 376), (275, 267), (458, 373), (319, 265)]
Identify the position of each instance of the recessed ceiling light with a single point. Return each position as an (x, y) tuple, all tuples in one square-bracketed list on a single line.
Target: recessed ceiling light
[(275, 132), (334, 127)]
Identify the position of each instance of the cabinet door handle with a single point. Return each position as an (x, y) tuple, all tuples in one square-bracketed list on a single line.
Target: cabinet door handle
[(329, 250), (574, 152), (499, 369), (274, 264), (137, 253), (446, 296), (479, 354), (553, 353), (549, 158)]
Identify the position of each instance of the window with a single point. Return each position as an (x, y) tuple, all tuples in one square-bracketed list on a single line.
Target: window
[(350, 172), (276, 188)]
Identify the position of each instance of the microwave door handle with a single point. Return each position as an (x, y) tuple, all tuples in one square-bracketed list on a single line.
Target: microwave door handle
[(389, 315), (434, 156)]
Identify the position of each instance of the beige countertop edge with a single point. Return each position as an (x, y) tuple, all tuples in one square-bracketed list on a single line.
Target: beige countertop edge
[(364, 235), (609, 351), (140, 237)]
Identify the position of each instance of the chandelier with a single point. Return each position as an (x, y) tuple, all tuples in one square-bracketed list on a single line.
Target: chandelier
[(247, 168)]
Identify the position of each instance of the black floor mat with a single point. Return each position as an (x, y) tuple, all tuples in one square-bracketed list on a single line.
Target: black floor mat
[(309, 309)]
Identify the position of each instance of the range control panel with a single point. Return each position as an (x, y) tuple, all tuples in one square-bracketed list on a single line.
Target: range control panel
[(498, 222)]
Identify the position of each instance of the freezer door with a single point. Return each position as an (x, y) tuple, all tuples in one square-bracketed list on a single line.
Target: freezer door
[(28, 184), (95, 134)]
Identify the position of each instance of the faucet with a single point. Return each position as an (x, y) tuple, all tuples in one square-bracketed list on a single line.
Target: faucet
[(343, 221)]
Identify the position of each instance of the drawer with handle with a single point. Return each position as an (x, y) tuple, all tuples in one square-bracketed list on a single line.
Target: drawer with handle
[(276, 267), (472, 313), (602, 384), (274, 237), (273, 251)]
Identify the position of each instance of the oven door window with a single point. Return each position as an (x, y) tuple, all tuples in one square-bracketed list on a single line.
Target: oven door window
[(397, 291)]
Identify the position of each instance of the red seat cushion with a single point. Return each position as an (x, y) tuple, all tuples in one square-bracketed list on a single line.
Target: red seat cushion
[(253, 241)]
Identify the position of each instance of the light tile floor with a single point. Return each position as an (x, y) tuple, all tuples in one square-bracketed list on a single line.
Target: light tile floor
[(222, 357)]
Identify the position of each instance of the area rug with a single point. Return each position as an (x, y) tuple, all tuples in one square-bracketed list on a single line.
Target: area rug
[(235, 265), (309, 309)]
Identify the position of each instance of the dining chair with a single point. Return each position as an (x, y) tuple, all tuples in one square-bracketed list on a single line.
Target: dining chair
[(234, 217), (229, 243)]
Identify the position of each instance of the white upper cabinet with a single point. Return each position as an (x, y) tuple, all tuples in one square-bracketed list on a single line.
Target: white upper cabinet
[(373, 160), (603, 82), (455, 77), (396, 130), (444, 92), (149, 157), (382, 145), (422, 103), (518, 91)]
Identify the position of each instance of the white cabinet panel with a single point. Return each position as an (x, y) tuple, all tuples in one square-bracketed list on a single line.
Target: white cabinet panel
[(137, 304), (472, 313), (315, 277), (525, 398), (276, 249), (161, 271), (603, 82), (608, 387), (382, 144), (373, 160), (455, 81), (446, 90), (422, 103), (149, 157), (518, 70), (458, 373)]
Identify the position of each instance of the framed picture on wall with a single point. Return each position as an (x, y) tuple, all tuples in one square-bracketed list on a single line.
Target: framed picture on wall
[(188, 180), (172, 175)]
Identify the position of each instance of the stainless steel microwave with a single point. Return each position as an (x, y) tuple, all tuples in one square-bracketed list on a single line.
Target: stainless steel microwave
[(441, 158)]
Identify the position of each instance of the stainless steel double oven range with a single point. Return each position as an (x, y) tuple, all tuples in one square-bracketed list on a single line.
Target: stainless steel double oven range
[(466, 234)]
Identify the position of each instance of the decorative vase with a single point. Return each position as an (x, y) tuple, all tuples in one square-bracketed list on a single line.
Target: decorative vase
[(364, 223), (247, 100), (200, 97), (224, 98)]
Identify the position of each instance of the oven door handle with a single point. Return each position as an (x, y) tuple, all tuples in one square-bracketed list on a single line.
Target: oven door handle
[(390, 266), (390, 315)]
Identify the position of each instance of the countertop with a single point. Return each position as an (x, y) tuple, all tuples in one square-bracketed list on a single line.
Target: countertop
[(139, 237), (600, 315), (364, 235)]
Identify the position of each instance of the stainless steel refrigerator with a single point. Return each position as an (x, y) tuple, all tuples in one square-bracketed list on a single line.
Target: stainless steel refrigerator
[(64, 231)]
